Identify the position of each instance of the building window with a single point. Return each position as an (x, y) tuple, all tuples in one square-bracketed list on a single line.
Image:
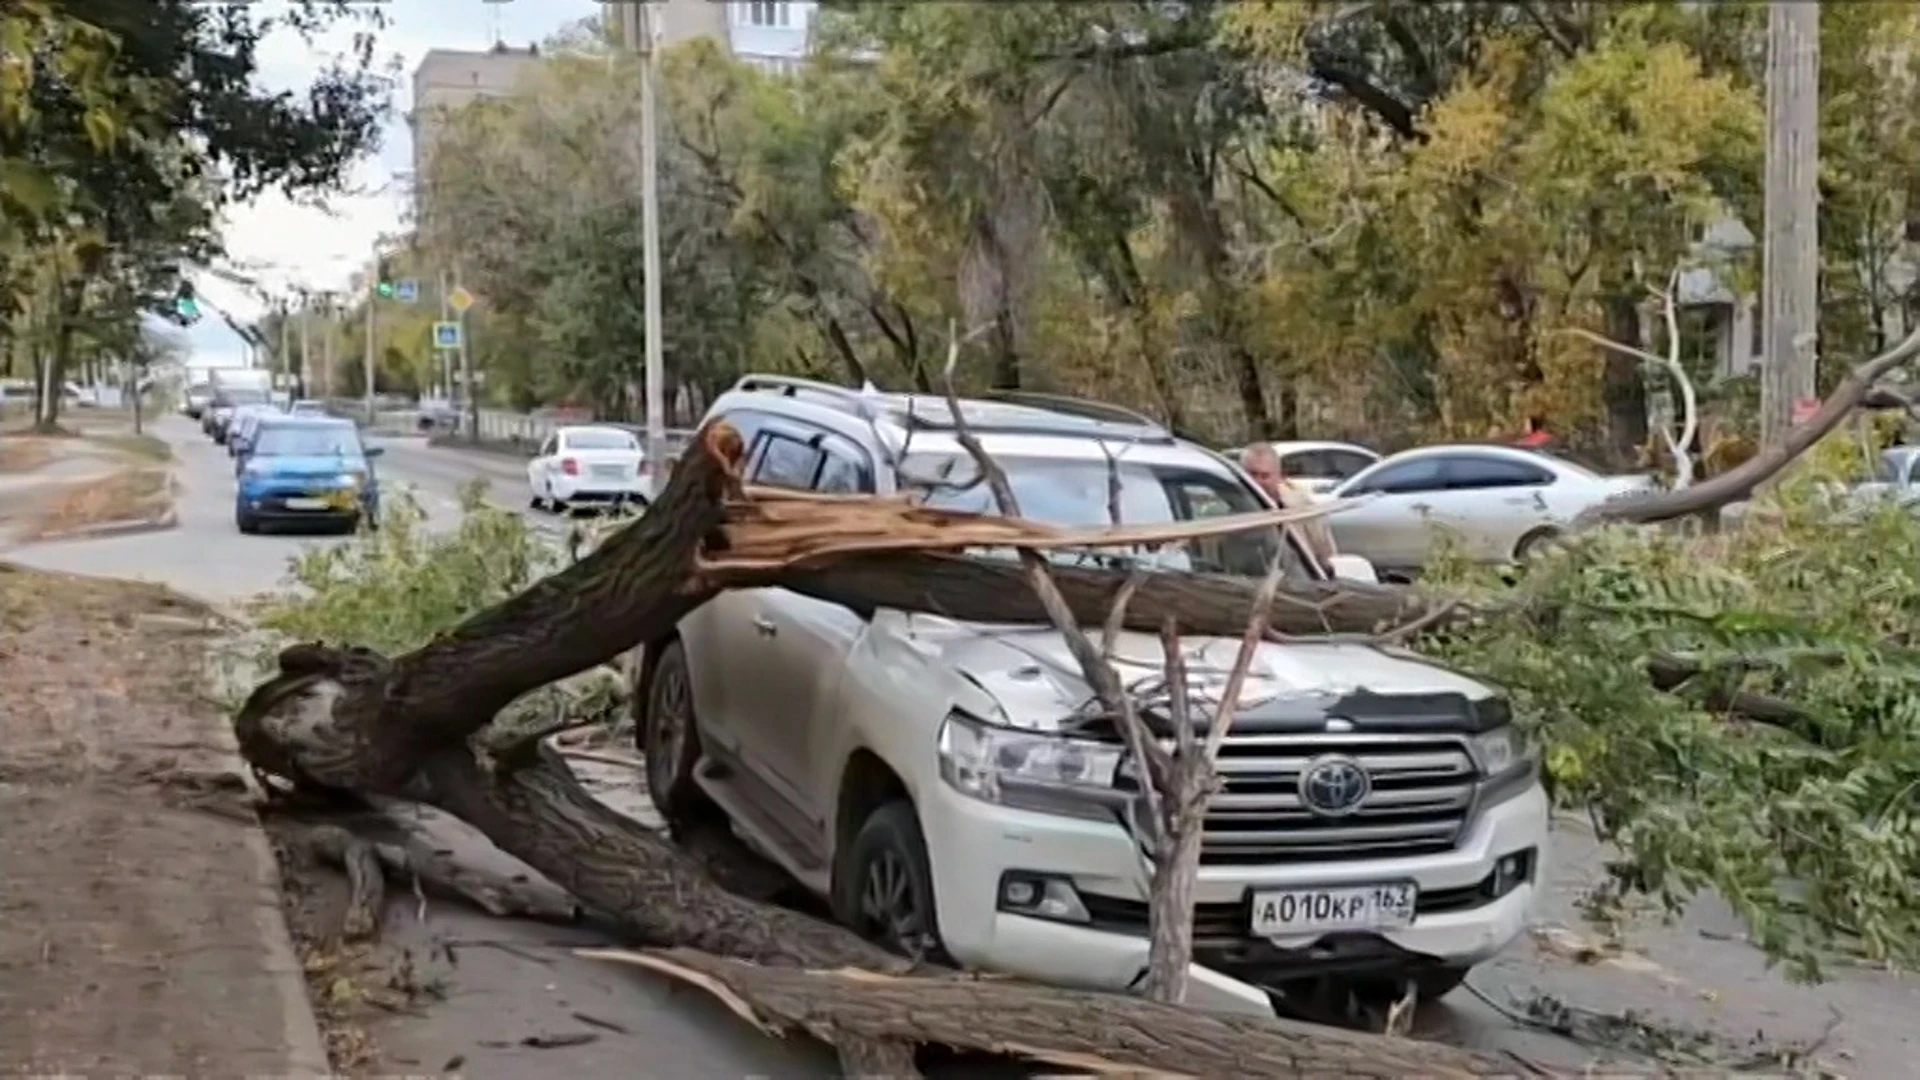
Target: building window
[(768, 13), (1759, 330)]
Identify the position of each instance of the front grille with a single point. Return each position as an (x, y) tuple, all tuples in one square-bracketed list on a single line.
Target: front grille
[(1422, 790)]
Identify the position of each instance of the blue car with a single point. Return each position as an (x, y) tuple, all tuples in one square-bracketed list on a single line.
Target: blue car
[(300, 469)]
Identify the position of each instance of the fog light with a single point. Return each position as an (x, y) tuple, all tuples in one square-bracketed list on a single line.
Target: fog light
[(1511, 871), (1043, 896)]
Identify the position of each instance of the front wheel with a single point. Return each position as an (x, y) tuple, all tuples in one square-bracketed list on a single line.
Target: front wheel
[(669, 737), (1534, 543), (246, 523), (883, 887)]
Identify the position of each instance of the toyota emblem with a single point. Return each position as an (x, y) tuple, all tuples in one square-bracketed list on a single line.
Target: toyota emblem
[(1334, 785)]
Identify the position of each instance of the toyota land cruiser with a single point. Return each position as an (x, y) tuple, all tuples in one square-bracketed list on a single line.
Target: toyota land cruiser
[(934, 780)]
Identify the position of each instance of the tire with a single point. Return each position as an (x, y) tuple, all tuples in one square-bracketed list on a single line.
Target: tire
[(535, 502), (1531, 543), (668, 734), (886, 868), (1433, 984), (246, 523)]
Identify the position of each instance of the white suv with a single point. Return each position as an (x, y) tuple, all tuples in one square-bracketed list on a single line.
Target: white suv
[(944, 785)]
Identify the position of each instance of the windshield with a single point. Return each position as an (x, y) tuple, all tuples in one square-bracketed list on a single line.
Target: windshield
[(1081, 493), (239, 396), (601, 440), (289, 440)]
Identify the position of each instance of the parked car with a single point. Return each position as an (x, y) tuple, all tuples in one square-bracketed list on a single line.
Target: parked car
[(198, 396), (304, 470), (246, 420), (944, 784), (1319, 466), (1499, 501), (589, 464)]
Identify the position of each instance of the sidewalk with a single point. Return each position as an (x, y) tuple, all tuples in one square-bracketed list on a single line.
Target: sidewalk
[(140, 922)]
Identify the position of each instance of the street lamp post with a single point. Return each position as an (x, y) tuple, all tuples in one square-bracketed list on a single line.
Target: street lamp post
[(638, 32)]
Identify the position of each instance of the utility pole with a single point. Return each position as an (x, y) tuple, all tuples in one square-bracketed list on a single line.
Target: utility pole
[(286, 354), (373, 296), (446, 360), (466, 369), (326, 345), (638, 31), (306, 343), (1791, 250)]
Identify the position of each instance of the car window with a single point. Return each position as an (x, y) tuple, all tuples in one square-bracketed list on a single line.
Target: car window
[(783, 461), (842, 475), (1342, 464), (600, 440), (1309, 464), (1403, 478), (1080, 494), (1473, 472), (290, 440), (547, 448)]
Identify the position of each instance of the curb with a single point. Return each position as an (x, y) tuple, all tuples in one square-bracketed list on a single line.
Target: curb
[(112, 528), (306, 1050)]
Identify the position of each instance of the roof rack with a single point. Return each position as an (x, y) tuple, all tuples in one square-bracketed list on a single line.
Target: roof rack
[(791, 385), (1073, 406)]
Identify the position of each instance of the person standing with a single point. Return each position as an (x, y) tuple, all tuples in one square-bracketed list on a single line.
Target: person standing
[(1263, 466)]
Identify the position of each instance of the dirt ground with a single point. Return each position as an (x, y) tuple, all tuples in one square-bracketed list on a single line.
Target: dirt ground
[(136, 912), (51, 485)]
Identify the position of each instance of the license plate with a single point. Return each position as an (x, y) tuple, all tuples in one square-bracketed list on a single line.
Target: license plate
[(1289, 912), (613, 471), (306, 504)]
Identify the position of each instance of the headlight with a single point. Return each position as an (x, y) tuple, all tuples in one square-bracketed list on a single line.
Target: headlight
[(1051, 773), (348, 479), (1499, 752)]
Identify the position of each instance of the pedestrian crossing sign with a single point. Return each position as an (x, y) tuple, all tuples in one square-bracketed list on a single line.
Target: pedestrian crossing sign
[(446, 335)]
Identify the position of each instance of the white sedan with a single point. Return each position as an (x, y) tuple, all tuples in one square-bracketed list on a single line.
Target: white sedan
[(1499, 501), (589, 464), (1319, 466)]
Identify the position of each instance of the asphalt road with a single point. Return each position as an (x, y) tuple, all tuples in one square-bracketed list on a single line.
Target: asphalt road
[(1695, 975)]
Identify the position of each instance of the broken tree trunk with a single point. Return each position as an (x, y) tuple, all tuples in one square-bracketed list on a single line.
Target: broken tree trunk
[(351, 720)]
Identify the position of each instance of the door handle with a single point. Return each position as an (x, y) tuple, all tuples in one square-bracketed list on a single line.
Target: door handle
[(765, 626)]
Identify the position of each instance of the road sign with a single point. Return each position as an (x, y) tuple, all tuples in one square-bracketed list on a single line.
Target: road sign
[(459, 299), (446, 335), (407, 291)]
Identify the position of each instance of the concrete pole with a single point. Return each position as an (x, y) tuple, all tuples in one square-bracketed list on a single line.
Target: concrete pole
[(446, 358), (327, 329), (286, 353), (367, 361), (466, 370), (306, 345), (639, 36), (1791, 251)]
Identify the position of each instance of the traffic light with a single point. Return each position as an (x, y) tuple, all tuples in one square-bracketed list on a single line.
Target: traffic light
[(383, 281), (186, 306)]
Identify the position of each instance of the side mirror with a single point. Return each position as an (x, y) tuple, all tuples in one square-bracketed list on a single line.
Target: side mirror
[(1353, 568), (374, 451)]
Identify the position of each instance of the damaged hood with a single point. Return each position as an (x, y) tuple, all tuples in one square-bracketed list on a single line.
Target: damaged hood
[(1031, 674)]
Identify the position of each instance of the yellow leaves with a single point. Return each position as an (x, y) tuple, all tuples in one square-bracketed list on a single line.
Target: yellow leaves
[(101, 129), (1270, 29), (1467, 131), (27, 186)]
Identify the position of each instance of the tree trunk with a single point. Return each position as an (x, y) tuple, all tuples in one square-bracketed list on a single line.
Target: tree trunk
[(351, 720), (1623, 385)]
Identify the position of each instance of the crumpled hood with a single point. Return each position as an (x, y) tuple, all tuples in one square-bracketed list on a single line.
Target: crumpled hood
[(1031, 673)]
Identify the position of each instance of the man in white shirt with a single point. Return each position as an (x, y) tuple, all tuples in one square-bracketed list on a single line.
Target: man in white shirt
[(1263, 465)]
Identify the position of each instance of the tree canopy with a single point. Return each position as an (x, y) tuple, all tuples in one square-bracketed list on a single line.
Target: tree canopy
[(125, 126)]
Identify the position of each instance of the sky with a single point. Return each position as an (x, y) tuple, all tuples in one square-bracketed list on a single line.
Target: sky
[(281, 244)]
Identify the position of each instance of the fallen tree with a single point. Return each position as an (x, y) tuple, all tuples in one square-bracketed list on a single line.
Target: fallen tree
[(352, 723), (410, 727)]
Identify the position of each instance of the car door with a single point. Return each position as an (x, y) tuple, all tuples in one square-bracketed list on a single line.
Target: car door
[(1490, 502), (1390, 527), (794, 735), (537, 468)]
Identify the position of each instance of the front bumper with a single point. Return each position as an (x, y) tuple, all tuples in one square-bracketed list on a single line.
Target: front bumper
[(1459, 921), (281, 503)]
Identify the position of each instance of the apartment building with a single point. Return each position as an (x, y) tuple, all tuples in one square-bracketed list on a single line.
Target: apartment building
[(773, 34), (448, 79)]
